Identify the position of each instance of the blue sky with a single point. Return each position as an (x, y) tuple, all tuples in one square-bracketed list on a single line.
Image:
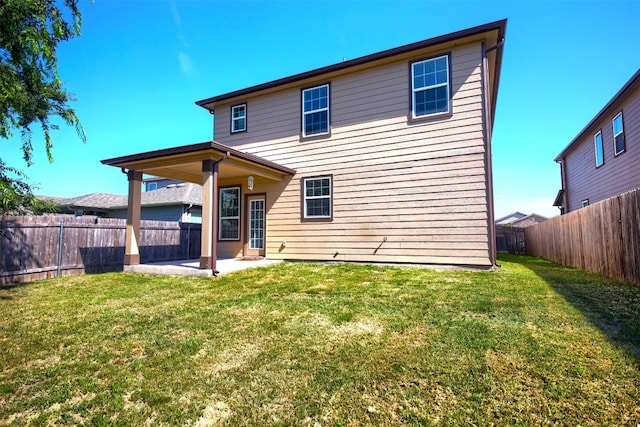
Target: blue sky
[(139, 66)]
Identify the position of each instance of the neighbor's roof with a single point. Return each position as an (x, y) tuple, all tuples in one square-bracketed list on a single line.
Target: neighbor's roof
[(178, 194), (613, 104), (533, 215), (510, 218), (497, 26)]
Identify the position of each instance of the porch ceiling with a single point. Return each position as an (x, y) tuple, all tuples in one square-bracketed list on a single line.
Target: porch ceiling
[(185, 163)]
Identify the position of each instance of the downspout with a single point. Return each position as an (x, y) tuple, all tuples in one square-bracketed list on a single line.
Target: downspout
[(488, 131), (214, 226)]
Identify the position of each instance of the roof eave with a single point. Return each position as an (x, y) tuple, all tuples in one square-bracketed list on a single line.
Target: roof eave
[(499, 26), (628, 86), (222, 150)]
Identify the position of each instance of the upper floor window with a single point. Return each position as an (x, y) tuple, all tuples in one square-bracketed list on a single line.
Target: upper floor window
[(239, 118), (315, 111), (618, 134), (229, 218), (430, 87), (585, 203), (597, 142), (316, 195), (152, 186)]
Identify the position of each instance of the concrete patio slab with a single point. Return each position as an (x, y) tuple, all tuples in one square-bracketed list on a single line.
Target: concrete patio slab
[(191, 267)]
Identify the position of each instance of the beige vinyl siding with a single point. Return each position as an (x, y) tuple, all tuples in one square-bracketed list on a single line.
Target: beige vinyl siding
[(422, 184), (619, 173)]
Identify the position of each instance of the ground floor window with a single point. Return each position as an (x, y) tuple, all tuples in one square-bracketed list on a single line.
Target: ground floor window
[(229, 216), (316, 198)]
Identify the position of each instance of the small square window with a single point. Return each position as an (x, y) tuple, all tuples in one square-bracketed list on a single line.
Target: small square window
[(597, 142), (585, 203), (317, 198), (618, 134), (430, 87), (315, 111), (239, 118)]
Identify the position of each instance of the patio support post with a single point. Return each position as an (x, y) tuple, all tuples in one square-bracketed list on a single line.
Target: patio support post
[(132, 232), (208, 251)]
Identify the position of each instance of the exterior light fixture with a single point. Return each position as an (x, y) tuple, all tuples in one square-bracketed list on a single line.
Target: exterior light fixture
[(250, 182)]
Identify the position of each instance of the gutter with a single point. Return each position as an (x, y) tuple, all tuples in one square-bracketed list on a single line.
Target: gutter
[(628, 86), (500, 26)]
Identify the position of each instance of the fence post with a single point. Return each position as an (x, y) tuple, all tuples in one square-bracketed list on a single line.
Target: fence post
[(60, 240)]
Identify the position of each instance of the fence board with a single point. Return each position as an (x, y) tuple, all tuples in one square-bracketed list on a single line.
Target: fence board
[(601, 238), (29, 245)]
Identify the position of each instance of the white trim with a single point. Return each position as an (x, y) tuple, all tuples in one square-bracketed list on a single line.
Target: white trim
[(595, 146), (415, 90), (613, 129), (305, 113), (305, 197), (236, 119), (263, 219)]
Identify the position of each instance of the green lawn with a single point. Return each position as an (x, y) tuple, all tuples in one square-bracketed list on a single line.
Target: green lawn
[(532, 343)]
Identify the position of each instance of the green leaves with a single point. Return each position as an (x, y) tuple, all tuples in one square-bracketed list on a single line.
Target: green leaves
[(30, 88), (16, 195)]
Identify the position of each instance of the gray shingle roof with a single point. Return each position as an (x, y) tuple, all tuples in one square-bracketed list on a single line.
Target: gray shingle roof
[(180, 194)]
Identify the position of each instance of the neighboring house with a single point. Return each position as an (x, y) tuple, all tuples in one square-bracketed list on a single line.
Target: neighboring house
[(506, 220), (518, 219), (603, 160), (171, 201), (383, 158), (155, 182)]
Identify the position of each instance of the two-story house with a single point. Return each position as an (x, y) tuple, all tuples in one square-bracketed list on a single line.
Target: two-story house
[(603, 160), (382, 158)]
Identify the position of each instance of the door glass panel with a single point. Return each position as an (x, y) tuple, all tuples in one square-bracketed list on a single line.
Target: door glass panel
[(256, 224)]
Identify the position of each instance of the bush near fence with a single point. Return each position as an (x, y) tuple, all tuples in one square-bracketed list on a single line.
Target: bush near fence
[(45, 246), (601, 238)]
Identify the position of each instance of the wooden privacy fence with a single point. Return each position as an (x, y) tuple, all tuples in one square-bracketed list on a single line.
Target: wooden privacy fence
[(510, 239), (601, 238), (39, 247)]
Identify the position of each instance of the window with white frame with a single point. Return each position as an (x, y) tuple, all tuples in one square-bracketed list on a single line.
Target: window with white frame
[(315, 111), (229, 213), (585, 203), (430, 87), (618, 134), (239, 118), (316, 194), (597, 142)]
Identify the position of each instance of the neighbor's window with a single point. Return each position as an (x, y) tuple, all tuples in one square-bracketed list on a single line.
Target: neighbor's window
[(618, 134), (229, 221), (152, 186), (585, 203), (597, 141), (239, 118), (315, 111), (316, 194), (430, 87)]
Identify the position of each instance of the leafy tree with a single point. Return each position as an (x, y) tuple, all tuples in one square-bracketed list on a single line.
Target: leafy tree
[(30, 88), (16, 196)]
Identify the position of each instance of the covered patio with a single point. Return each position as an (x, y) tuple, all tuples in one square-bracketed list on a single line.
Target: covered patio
[(205, 164)]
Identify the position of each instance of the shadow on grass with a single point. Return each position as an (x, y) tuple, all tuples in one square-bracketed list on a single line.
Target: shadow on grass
[(610, 305)]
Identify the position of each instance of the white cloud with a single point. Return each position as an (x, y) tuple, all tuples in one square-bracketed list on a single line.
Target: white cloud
[(187, 66)]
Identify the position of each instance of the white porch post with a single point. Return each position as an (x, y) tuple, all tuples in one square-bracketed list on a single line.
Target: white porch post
[(132, 231)]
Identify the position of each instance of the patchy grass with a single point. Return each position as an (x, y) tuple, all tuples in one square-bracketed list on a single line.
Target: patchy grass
[(323, 345)]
